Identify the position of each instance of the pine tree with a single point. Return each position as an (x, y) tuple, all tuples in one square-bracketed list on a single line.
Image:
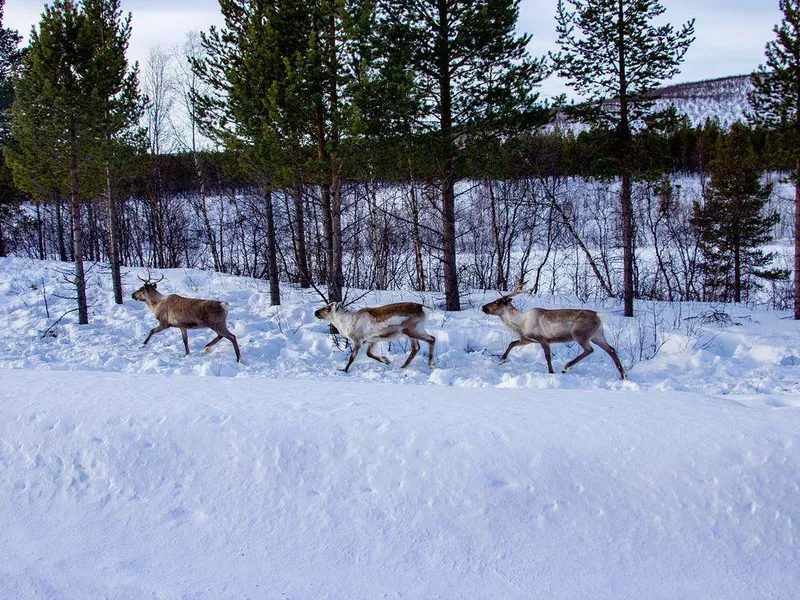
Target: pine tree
[(10, 58), (243, 66), (610, 49), (114, 87), (775, 101), (473, 74), (54, 124), (732, 223)]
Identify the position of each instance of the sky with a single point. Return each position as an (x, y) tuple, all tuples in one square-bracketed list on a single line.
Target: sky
[(731, 34)]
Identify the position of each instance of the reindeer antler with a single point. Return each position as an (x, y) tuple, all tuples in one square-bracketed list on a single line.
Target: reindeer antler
[(519, 289), (148, 280)]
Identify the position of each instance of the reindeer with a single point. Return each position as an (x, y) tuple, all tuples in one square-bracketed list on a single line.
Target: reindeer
[(373, 325), (551, 327), (185, 313)]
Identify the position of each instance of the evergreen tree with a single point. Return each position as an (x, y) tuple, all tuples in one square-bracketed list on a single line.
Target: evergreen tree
[(473, 75), (114, 88), (244, 68), (732, 223), (775, 101), (610, 49), (10, 57), (54, 124)]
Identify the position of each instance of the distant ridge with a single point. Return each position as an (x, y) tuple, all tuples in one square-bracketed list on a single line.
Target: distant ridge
[(723, 99)]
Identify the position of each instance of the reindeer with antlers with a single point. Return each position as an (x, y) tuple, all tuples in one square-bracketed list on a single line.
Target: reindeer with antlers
[(372, 325), (185, 313), (551, 327)]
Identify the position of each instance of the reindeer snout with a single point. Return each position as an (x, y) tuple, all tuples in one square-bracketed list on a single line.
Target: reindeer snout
[(485, 308)]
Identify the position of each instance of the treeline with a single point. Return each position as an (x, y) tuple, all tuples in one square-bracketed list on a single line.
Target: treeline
[(384, 145)]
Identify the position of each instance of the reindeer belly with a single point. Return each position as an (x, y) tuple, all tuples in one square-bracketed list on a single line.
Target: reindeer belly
[(387, 333)]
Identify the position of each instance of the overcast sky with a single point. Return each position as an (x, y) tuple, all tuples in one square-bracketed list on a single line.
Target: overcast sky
[(730, 33)]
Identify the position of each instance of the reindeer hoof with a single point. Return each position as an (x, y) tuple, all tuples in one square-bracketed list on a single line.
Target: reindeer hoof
[(385, 360)]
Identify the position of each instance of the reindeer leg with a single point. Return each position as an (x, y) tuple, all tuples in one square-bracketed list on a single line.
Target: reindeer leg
[(212, 342), (185, 336), (154, 330), (613, 354), (380, 359), (353, 353), (547, 354), (514, 344), (587, 350), (425, 337), (414, 350)]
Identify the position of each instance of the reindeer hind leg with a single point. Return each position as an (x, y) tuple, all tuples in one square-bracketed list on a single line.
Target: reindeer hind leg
[(414, 350), (380, 359), (613, 354), (587, 350)]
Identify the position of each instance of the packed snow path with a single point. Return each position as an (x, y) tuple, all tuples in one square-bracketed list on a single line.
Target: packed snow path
[(134, 486)]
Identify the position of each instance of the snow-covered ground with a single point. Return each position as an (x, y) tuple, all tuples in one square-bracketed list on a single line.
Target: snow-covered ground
[(130, 473)]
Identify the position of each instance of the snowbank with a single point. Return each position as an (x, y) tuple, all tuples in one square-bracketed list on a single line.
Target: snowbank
[(132, 486)]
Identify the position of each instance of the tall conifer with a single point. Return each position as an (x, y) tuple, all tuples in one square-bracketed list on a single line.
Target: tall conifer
[(611, 50)]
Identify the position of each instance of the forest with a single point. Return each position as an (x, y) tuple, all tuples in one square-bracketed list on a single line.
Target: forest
[(380, 145)]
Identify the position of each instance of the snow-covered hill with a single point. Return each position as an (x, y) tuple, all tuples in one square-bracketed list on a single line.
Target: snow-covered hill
[(132, 473), (723, 100)]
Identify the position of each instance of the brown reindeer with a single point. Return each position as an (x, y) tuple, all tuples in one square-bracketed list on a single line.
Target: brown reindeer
[(552, 327), (185, 313), (373, 325)]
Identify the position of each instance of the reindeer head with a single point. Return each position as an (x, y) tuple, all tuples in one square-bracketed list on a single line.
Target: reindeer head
[(144, 293), (499, 306), (325, 312)]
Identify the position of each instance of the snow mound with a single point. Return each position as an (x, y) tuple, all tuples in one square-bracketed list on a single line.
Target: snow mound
[(132, 486)]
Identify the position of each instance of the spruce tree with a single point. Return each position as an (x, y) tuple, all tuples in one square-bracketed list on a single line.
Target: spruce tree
[(611, 50), (473, 74), (775, 101), (732, 223)]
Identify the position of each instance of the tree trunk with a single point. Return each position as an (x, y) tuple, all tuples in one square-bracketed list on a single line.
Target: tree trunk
[(113, 237), (272, 254), (416, 240), (300, 235), (39, 231), (452, 300), (62, 248), (77, 236), (627, 241), (797, 240), (623, 141), (737, 273)]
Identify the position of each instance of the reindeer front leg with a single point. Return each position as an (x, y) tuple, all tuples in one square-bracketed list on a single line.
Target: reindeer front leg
[(514, 344), (353, 354), (185, 336), (154, 330)]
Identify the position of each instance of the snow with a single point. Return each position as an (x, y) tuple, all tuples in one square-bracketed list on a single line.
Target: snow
[(130, 473)]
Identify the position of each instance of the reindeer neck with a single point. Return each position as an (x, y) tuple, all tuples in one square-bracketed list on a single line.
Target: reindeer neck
[(511, 315), (342, 320), (154, 298)]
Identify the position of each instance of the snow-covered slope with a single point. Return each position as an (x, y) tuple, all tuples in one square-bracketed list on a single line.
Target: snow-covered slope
[(135, 486)]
